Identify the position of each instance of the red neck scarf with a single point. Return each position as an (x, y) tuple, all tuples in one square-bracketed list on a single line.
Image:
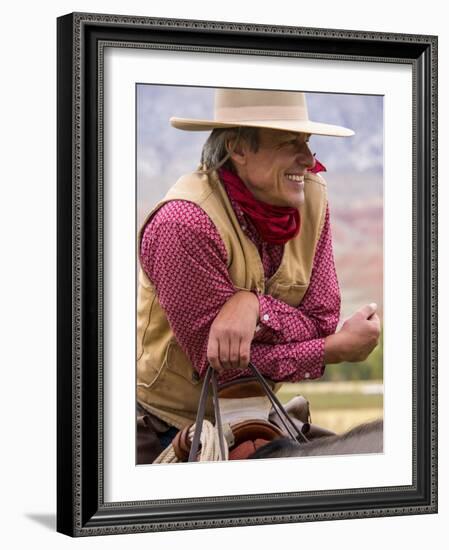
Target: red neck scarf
[(275, 224)]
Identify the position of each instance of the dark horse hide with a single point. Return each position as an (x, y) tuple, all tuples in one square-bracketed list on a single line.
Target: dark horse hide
[(365, 438)]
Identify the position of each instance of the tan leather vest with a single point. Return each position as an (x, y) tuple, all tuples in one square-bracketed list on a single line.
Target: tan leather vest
[(167, 384)]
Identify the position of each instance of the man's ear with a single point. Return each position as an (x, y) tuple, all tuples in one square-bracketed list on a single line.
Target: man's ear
[(237, 149)]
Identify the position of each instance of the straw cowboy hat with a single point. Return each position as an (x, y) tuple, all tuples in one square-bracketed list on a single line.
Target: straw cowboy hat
[(262, 109)]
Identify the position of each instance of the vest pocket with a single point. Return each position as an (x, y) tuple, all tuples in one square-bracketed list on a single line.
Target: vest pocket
[(290, 294), (178, 363)]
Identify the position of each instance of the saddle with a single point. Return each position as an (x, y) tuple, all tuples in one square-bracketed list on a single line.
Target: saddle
[(247, 437), (243, 436)]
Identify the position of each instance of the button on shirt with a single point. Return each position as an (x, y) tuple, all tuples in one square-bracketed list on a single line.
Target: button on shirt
[(184, 256)]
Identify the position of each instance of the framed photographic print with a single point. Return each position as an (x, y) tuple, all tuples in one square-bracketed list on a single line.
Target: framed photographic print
[(210, 170)]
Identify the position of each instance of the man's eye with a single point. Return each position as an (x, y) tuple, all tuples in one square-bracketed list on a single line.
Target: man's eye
[(294, 142)]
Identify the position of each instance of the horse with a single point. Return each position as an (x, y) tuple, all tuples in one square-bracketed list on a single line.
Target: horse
[(365, 438)]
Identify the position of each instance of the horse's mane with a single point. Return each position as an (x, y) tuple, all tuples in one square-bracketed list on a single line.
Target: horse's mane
[(365, 438)]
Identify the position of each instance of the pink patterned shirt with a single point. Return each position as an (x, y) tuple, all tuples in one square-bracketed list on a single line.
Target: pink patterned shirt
[(184, 256)]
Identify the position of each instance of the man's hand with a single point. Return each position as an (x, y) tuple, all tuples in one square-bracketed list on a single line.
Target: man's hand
[(356, 339), (232, 331)]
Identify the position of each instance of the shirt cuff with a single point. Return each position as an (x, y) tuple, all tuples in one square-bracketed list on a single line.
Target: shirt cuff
[(311, 364), (314, 368), (267, 316)]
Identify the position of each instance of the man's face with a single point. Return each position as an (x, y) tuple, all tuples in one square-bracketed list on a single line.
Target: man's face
[(275, 173)]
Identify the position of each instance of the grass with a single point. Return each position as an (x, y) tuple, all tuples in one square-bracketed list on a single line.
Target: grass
[(338, 400), (336, 395)]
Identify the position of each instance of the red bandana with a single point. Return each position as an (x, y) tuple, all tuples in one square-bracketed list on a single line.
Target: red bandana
[(275, 224), (317, 167)]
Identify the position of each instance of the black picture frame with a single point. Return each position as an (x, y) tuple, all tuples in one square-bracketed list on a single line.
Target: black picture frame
[(81, 510)]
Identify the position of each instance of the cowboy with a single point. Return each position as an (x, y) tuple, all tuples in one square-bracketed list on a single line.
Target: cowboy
[(237, 264)]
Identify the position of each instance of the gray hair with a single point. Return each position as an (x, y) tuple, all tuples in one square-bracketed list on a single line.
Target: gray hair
[(215, 152)]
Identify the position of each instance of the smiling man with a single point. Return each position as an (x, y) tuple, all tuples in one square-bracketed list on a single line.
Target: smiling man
[(274, 173), (237, 265)]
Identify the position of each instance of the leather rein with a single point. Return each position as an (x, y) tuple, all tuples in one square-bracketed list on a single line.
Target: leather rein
[(211, 380)]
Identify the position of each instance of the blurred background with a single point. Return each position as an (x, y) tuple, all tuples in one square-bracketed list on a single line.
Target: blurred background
[(348, 393)]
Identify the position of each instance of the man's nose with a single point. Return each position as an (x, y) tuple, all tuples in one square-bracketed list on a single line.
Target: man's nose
[(305, 157)]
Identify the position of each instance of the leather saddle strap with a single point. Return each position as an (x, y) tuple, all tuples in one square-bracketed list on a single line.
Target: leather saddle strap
[(282, 413), (221, 437), (200, 416), (210, 375)]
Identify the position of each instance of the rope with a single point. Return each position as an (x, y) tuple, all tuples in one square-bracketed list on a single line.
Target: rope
[(167, 456), (210, 446)]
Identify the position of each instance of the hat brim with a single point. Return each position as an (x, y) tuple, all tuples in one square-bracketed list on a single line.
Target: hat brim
[(304, 126)]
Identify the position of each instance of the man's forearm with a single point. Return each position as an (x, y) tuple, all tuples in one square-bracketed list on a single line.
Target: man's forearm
[(288, 362), (318, 313), (281, 323), (333, 349)]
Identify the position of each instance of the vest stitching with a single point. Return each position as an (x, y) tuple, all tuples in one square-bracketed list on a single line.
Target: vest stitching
[(159, 372)]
